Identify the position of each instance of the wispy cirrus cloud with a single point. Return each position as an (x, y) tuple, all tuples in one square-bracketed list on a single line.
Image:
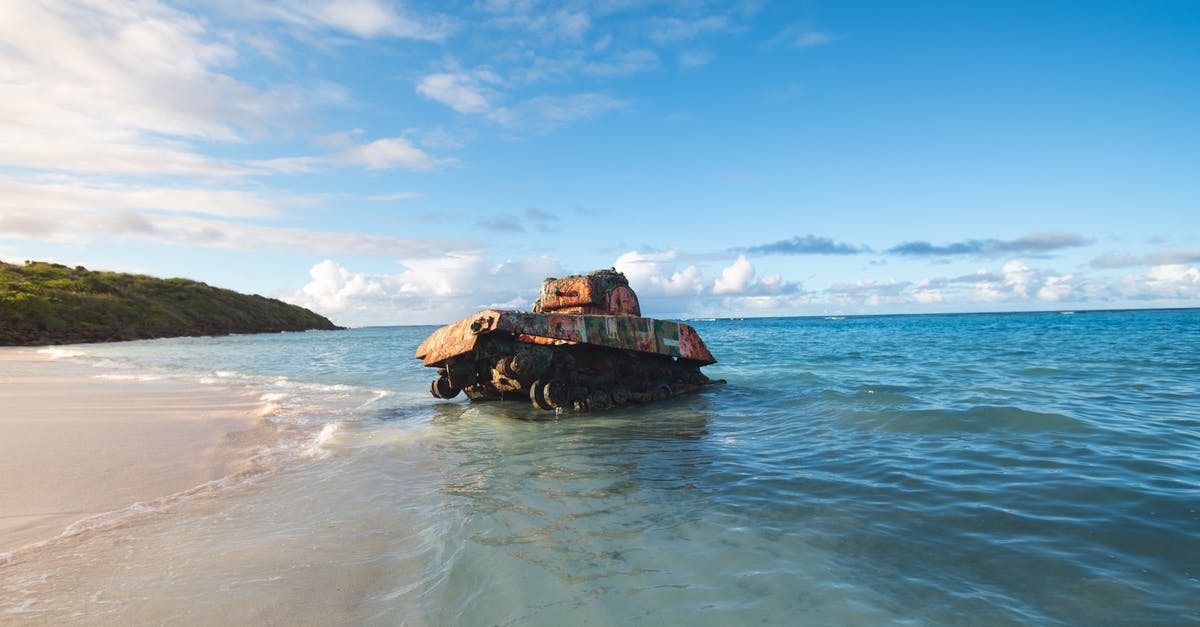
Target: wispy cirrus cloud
[(546, 113), (158, 92), (1036, 244), (560, 46), (670, 30), (477, 92), (114, 87), (367, 19), (800, 35), (44, 198), (85, 226), (388, 153), (465, 92)]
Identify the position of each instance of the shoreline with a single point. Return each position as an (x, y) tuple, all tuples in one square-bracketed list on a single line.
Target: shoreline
[(79, 442)]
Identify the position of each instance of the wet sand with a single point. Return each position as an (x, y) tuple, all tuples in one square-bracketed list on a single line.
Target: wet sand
[(76, 441)]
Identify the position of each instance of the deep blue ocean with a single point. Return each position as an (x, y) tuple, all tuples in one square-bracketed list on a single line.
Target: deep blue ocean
[(983, 469)]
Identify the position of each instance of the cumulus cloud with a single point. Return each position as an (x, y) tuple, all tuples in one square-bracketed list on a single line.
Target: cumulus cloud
[(666, 288), (735, 278), (1169, 282), (1016, 282), (1019, 282), (1036, 244), (654, 274), (739, 279), (427, 291)]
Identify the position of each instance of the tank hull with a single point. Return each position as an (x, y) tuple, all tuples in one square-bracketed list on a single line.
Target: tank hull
[(565, 361)]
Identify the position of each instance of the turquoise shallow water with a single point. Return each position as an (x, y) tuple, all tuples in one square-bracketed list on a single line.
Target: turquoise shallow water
[(947, 469)]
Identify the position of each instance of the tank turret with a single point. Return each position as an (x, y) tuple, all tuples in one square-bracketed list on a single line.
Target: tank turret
[(602, 293), (584, 347)]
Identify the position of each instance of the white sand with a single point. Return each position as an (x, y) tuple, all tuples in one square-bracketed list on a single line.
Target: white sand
[(74, 444)]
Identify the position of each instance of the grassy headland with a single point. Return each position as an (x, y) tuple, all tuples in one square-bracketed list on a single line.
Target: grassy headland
[(45, 303)]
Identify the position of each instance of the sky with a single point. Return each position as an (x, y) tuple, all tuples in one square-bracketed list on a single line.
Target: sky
[(402, 162)]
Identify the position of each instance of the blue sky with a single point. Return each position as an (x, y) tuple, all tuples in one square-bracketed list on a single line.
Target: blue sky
[(411, 162)]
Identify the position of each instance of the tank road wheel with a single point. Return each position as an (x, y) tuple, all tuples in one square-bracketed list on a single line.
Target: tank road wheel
[(557, 393), (442, 388), (521, 364), (537, 396), (620, 395), (662, 392)]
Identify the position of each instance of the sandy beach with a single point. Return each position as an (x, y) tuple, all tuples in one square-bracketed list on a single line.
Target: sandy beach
[(76, 441)]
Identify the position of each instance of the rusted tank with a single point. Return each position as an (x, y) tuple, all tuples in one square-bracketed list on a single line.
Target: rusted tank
[(584, 347)]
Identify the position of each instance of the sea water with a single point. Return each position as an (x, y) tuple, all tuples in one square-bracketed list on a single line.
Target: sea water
[(1006, 469)]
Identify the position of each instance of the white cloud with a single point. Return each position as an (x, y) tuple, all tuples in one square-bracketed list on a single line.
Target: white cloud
[(428, 291), (926, 292), (735, 278), (1056, 288), (1019, 282), (465, 92), (1018, 277), (1164, 282), (120, 87), (82, 226), (367, 19), (43, 199), (654, 274), (477, 93), (387, 153), (134, 88)]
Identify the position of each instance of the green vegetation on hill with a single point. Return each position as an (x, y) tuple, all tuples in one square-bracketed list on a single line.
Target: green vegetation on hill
[(45, 303)]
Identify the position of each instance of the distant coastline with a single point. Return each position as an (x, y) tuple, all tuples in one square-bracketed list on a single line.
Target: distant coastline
[(45, 303)]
